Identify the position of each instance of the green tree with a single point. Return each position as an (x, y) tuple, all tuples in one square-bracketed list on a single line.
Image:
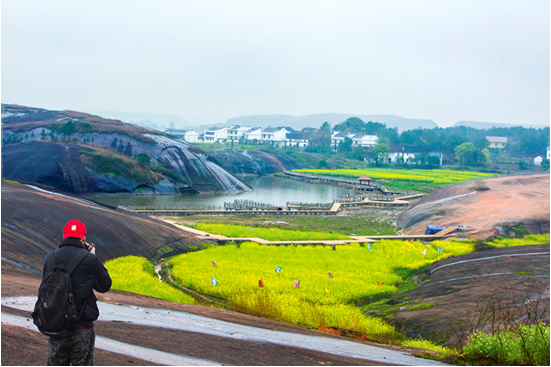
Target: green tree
[(68, 129), (325, 126), (380, 152), (143, 159), (345, 145), (545, 164), (466, 154), (486, 154)]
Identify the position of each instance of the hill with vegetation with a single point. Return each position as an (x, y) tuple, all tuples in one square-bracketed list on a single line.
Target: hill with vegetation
[(79, 153)]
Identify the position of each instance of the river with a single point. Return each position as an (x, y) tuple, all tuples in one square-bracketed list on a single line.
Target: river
[(266, 189)]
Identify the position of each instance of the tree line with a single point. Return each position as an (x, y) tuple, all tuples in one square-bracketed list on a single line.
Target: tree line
[(461, 144)]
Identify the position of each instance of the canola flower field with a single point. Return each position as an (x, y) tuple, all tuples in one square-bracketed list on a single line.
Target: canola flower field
[(432, 178), (137, 275), (331, 282)]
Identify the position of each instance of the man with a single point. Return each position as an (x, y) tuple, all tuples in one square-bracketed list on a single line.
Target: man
[(90, 274)]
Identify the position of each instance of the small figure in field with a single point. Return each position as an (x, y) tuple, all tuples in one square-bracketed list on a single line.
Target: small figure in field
[(72, 341), (297, 283), (261, 283)]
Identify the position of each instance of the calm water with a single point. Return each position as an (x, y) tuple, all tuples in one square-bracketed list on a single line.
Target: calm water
[(271, 190)]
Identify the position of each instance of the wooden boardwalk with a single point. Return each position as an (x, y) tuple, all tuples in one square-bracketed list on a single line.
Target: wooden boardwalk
[(355, 184), (397, 202)]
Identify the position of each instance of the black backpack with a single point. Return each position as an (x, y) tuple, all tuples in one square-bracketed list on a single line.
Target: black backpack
[(55, 312)]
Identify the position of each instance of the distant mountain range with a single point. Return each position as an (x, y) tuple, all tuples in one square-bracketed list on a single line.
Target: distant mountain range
[(160, 121), (489, 125), (149, 120)]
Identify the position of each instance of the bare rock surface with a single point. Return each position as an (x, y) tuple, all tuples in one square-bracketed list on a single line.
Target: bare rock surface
[(483, 205)]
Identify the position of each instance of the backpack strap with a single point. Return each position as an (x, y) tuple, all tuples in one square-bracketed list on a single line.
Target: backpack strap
[(76, 260)]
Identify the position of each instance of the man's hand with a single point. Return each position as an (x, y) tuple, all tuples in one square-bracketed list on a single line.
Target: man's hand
[(93, 250)]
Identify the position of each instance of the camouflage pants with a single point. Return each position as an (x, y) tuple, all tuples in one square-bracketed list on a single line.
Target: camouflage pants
[(77, 349)]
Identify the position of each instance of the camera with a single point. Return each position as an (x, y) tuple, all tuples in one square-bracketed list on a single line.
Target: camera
[(89, 246)]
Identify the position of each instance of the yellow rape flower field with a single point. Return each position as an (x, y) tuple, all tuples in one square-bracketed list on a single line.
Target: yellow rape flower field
[(403, 178), (333, 284)]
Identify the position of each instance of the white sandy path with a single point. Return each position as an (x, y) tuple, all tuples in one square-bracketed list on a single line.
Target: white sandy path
[(178, 320)]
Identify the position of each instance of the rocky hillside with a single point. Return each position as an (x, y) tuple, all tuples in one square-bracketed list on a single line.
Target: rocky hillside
[(255, 161), (80, 153), (33, 220), (483, 205)]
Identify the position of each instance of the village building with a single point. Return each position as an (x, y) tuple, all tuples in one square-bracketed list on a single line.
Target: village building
[(538, 160), (191, 136), (498, 142), (236, 132), (296, 139), (358, 140), (215, 134), (175, 132), (254, 134)]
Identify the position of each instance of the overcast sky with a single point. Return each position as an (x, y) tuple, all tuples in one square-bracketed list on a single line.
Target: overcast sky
[(208, 61)]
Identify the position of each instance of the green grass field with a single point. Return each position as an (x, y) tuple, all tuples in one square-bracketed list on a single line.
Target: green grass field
[(404, 179), (270, 234), (362, 223)]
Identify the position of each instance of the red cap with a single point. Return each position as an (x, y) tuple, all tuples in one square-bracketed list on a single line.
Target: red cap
[(74, 228)]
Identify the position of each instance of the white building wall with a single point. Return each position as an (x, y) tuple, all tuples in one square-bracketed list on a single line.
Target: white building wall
[(191, 136)]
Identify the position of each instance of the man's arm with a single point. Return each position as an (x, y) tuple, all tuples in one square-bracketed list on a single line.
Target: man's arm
[(102, 282)]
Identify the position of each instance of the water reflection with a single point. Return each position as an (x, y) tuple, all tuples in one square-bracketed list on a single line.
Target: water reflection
[(271, 190)]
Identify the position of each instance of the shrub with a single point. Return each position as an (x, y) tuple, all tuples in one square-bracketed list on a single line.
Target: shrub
[(527, 345)]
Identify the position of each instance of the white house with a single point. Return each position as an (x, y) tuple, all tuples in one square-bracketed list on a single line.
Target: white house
[(358, 140), (296, 139), (497, 141), (538, 160), (548, 154), (191, 136), (275, 134), (254, 133), (236, 132), (216, 134), (396, 157), (338, 137), (369, 141)]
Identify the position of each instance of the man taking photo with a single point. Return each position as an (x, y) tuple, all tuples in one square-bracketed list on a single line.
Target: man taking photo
[(73, 343)]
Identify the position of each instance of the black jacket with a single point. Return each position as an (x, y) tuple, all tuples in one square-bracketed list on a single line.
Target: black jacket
[(90, 274)]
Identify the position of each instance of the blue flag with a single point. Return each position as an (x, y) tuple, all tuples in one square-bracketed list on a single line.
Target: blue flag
[(278, 269), (369, 247), (214, 282)]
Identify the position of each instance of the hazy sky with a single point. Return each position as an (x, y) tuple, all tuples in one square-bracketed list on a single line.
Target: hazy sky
[(208, 61)]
